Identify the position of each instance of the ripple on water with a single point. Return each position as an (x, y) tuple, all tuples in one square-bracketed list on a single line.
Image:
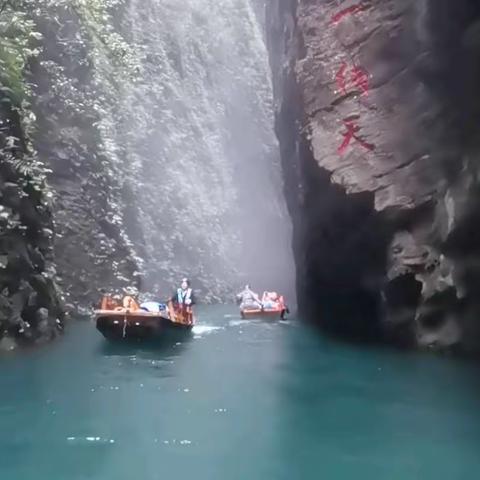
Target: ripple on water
[(200, 330), (177, 442), (90, 440), (237, 323)]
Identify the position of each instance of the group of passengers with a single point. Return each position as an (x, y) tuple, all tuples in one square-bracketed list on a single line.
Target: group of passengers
[(184, 297), (249, 300)]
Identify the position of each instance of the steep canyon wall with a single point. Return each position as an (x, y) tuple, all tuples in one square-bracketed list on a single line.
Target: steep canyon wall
[(377, 117), (137, 147)]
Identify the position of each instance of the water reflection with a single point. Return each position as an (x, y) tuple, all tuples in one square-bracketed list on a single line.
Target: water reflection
[(345, 409)]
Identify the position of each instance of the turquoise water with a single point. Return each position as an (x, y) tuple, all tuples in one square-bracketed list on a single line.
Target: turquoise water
[(240, 400)]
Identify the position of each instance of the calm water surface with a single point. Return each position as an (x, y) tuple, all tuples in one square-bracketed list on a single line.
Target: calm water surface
[(240, 400)]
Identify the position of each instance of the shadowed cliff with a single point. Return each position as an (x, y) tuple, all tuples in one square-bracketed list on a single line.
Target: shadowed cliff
[(377, 117)]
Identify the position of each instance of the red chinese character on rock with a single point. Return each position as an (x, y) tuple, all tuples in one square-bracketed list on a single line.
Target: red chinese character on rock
[(357, 78), (341, 79), (352, 10), (351, 134)]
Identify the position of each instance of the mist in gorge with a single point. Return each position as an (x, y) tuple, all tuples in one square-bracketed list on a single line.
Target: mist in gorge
[(202, 159), (146, 133), (155, 119)]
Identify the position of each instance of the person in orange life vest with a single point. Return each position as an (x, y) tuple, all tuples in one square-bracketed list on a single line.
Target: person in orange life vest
[(270, 300), (129, 302), (184, 296)]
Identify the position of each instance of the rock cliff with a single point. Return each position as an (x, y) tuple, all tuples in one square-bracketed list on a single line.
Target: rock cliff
[(30, 302), (377, 118)]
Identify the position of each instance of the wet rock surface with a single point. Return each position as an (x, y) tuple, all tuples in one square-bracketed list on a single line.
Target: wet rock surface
[(30, 305), (377, 117)]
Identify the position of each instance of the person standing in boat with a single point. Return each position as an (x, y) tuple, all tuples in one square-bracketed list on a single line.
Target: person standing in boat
[(248, 299), (270, 300), (184, 296), (183, 300)]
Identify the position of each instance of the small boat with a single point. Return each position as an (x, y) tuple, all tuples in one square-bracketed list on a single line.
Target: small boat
[(271, 313), (275, 308), (129, 322)]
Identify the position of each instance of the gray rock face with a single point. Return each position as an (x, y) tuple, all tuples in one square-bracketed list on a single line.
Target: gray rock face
[(27, 275), (377, 117), (158, 132), (91, 247)]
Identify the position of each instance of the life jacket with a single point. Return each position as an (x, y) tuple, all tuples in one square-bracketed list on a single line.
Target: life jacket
[(129, 303), (183, 297), (271, 300), (108, 303)]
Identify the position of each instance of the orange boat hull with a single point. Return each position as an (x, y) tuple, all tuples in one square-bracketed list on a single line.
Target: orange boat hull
[(265, 313)]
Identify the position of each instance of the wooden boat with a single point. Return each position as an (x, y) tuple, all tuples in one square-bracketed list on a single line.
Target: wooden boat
[(129, 322), (280, 311), (269, 313)]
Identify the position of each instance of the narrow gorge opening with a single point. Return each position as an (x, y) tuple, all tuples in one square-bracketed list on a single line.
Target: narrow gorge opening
[(152, 124)]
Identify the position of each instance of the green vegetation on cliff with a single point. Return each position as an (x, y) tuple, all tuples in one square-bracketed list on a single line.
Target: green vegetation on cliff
[(30, 304)]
